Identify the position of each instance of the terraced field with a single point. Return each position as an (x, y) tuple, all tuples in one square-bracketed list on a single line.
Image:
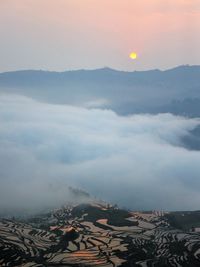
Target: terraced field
[(96, 235)]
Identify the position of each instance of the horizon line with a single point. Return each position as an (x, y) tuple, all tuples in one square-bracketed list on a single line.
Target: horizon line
[(100, 68)]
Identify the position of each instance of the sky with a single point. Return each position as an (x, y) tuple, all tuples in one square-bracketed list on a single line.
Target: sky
[(88, 34), (135, 161)]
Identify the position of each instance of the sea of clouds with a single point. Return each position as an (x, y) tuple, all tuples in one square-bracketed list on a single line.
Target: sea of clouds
[(136, 161)]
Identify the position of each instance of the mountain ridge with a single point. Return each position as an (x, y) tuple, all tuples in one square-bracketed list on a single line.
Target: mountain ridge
[(125, 93), (186, 66)]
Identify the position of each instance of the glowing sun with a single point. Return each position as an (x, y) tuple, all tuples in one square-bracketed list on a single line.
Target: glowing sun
[(133, 55)]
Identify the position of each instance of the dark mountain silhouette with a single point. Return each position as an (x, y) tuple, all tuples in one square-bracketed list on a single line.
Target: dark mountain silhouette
[(176, 90)]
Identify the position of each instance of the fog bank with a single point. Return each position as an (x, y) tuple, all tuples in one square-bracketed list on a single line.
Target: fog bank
[(136, 161)]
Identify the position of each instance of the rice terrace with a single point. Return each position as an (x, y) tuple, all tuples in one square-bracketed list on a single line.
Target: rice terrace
[(99, 235)]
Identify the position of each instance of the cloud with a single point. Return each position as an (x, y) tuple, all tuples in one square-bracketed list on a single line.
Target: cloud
[(97, 103), (136, 161)]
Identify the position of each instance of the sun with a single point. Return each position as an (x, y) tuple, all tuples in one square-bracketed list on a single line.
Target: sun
[(133, 55)]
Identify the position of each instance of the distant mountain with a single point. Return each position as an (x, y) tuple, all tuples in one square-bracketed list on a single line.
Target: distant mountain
[(176, 90)]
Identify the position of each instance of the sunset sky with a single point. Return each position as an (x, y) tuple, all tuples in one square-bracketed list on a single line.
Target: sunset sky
[(75, 34)]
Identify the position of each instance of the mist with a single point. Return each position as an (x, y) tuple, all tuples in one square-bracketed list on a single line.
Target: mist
[(136, 161)]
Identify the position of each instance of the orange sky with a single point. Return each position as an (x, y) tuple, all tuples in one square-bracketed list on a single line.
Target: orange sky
[(72, 34)]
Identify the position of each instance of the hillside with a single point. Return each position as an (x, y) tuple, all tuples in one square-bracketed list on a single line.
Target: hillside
[(151, 91), (100, 235)]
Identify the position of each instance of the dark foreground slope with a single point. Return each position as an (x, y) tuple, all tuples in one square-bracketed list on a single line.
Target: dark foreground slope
[(97, 235)]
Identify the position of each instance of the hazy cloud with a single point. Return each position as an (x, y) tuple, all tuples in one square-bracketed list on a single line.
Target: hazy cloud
[(136, 161)]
